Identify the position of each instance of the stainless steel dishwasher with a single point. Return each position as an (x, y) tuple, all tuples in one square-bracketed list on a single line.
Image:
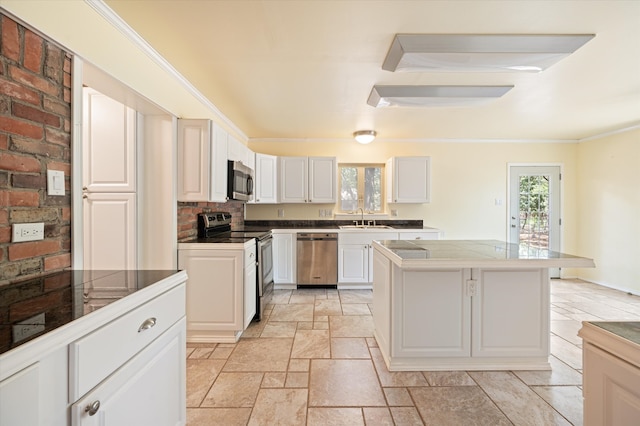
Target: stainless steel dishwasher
[(317, 258)]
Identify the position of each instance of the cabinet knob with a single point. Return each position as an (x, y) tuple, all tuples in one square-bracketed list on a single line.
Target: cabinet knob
[(147, 324), (85, 196), (92, 408)]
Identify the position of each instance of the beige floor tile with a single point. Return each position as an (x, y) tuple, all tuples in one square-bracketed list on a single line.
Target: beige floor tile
[(356, 296), (299, 365), (264, 354), (221, 352), (280, 297), (349, 347), (218, 416), (390, 379), (406, 416), (460, 405), (279, 329), (280, 407), (344, 383), (311, 344), (567, 400), (355, 309), (567, 329), (299, 312), (398, 397), (321, 325), (233, 390), (320, 318), (560, 374), (448, 378), (377, 416), (335, 417), (190, 351), (328, 307), (305, 325), (566, 352), (201, 373), (522, 405), (297, 297), (351, 326), (201, 353), (274, 380), (297, 380)]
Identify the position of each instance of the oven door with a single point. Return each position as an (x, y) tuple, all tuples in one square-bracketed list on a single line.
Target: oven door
[(265, 264)]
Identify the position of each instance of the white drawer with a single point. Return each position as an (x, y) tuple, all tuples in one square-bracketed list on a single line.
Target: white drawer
[(418, 235), (95, 356), (365, 237)]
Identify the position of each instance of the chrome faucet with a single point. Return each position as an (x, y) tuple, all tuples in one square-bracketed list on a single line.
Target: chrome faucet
[(361, 214)]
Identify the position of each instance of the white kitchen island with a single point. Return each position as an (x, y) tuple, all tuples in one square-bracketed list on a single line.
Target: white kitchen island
[(463, 304)]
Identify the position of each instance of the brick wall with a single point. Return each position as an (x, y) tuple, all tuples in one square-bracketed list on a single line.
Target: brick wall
[(188, 216), (35, 135)]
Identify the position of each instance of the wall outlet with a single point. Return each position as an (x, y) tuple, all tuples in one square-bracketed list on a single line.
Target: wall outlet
[(394, 212), (280, 212), (321, 212), (28, 232)]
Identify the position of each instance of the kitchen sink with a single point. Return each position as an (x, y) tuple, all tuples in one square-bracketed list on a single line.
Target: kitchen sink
[(365, 227)]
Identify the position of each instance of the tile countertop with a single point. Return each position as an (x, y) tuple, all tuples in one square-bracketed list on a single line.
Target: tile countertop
[(628, 330), (48, 302), (475, 254)]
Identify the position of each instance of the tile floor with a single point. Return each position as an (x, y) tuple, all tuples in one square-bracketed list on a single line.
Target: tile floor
[(314, 361)]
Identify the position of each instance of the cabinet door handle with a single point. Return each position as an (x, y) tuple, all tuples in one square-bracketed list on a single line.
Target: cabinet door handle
[(92, 408), (147, 324)]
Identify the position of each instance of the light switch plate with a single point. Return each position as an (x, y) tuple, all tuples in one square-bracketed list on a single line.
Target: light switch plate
[(55, 182)]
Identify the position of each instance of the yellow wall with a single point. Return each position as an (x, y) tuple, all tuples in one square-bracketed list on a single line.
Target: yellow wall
[(467, 178), (609, 209)]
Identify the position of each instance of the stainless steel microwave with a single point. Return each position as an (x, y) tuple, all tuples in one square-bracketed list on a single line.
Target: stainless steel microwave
[(239, 181)]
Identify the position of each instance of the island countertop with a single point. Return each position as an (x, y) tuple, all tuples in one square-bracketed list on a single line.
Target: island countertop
[(475, 254)]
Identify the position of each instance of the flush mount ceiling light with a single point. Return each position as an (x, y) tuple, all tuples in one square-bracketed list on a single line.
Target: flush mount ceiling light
[(425, 96), (364, 136), (480, 52)]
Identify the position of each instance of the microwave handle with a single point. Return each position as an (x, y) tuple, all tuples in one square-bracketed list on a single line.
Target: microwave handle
[(249, 185)]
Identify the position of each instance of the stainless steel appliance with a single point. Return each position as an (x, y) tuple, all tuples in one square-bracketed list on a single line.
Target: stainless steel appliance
[(239, 181), (317, 258), (216, 228)]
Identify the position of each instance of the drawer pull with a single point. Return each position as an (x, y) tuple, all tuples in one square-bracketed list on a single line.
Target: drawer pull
[(147, 324), (92, 408)]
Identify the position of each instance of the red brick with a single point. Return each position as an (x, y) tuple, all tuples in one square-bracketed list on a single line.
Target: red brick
[(23, 180), (21, 128), (37, 147), (19, 163), (57, 281), (32, 51), (53, 105), (5, 234), (33, 114), (32, 306), (23, 199), (56, 165), (57, 137), (4, 216), (4, 142), (10, 39), (57, 262), (66, 214), (17, 91), (33, 249), (33, 80)]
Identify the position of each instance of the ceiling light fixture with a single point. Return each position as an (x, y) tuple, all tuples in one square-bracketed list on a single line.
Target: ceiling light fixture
[(426, 96), (365, 136), (480, 52)]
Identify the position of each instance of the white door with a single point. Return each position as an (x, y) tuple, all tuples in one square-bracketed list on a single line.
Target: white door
[(109, 183), (534, 208)]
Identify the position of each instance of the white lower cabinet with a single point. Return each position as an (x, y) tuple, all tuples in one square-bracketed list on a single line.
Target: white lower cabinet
[(147, 390), (355, 255), (220, 302), (284, 258)]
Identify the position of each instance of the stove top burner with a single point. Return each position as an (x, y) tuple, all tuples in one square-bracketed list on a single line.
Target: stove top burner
[(217, 225)]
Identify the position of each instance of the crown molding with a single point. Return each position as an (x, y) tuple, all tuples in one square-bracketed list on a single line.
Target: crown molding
[(413, 140), (611, 133), (118, 23)]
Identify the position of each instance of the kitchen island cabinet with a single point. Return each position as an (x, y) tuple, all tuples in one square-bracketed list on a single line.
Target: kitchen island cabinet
[(463, 305), (221, 292), (94, 355), (611, 372)]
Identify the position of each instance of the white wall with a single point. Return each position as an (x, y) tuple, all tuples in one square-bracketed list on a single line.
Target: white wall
[(609, 209)]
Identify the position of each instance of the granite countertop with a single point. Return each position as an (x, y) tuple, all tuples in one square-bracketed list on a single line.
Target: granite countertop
[(475, 253), (628, 330), (51, 301)]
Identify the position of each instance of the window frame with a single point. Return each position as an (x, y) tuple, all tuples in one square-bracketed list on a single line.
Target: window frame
[(361, 185)]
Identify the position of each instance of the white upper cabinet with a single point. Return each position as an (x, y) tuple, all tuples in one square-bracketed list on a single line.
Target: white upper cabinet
[(307, 179), (202, 161), (408, 180), (266, 179), (109, 147)]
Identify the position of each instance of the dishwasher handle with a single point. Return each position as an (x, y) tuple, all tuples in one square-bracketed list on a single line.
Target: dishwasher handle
[(317, 236)]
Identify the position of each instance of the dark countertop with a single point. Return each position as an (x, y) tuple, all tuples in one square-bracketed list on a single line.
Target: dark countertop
[(628, 330), (260, 225), (33, 307)]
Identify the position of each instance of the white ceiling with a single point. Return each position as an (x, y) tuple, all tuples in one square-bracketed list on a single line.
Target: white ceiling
[(304, 69)]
